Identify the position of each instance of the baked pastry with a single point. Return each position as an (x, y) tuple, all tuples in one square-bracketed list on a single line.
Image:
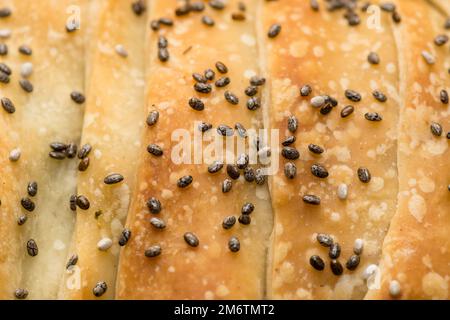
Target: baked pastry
[(252, 149)]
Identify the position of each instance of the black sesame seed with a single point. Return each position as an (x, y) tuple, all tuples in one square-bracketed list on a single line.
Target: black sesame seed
[(163, 54), (113, 178), (184, 181), (311, 199), (21, 293), (379, 96), (83, 202), (314, 5), (373, 58), (221, 67), (58, 155), (233, 244), (253, 103), (21, 220), (166, 21), (162, 42), (288, 141), (71, 150), (209, 74), (441, 39), (257, 81), (353, 262), (191, 239), (157, 223), (290, 170), (317, 263), (197, 6), (314, 148), (225, 130), (247, 208), (353, 18), (274, 30), (155, 150), (242, 161), (73, 202), (448, 135), (84, 164), (26, 85), (387, 6), (443, 95), (154, 205), (352, 95), (335, 251), (8, 105), (183, 10), (32, 188), (292, 124), (207, 20), (215, 167), (58, 146), (233, 171), (26, 50), (152, 118), (330, 101), (78, 97), (124, 237), (226, 185), (154, 25), (319, 171), (196, 104), (222, 82), (5, 69), (228, 222), (245, 219), (72, 261), (373, 116), (324, 239), (336, 267), (198, 77), (396, 17), (364, 175), (84, 151), (260, 177), (305, 90), (32, 248), (27, 204), (447, 24), (242, 132), (5, 12), (138, 7), (249, 174), (251, 91), (202, 87), (216, 4), (100, 289), (436, 129), (4, 78), (204, 126), (3, 49), (290, 153), (231, 98), (238, 16), (153, 251), (326, 109)]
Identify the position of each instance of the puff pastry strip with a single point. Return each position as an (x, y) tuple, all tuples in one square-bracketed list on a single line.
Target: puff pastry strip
[(320, 49), (114, 118), (416, 252), (210, 270), (43, 116)]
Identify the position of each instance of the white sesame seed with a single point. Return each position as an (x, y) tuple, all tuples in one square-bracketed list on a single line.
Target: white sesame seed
[(429, 58), (342, 191), (317, 101), (5, 33), (104, 244), (358, 246), (370, 270), (14, 155), (394, 288), (120, 49), (26, 69)]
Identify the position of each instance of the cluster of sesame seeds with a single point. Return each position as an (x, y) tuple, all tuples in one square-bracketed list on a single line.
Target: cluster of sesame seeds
[(334, 252)]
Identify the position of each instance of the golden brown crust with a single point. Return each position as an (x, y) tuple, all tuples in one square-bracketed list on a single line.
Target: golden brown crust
[(210, 271), (322, 50), (113, 121), (416, 251)]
